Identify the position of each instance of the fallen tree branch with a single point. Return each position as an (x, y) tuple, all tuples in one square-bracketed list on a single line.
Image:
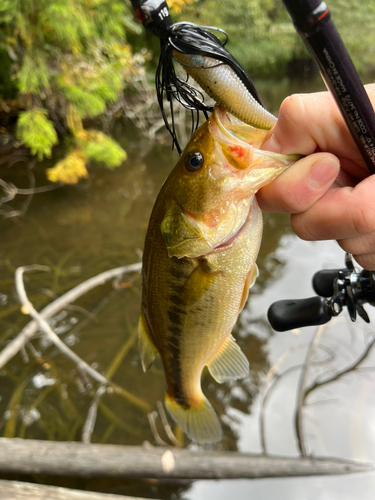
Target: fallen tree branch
[(17, 490), (32, 327), (341, 373), (44, 326), (301, 388), (89, 424), (80, 460), (305, 390), (81, 364)]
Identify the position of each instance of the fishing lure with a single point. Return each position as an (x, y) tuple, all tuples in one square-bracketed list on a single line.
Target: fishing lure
[(205, 58)]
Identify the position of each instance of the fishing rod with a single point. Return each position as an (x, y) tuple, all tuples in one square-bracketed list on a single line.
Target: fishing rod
[(336, 288)]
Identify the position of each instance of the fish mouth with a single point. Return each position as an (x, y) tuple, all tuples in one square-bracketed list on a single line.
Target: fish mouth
[(240, 143), (232, 130), (237, 140)]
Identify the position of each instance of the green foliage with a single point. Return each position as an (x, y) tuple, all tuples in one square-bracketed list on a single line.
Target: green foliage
[(66, 24), (261, 35), (33, 75), (37, 132), (355, 21), (100, 148), (263, 39), (68, 54)]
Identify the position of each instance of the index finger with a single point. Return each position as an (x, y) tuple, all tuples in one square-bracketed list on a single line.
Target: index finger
[(308, 122)]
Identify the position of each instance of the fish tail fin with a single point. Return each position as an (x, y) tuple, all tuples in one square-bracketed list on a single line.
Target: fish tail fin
[(199, 421)]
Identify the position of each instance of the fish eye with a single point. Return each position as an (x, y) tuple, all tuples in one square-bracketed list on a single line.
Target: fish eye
[(194, 161)]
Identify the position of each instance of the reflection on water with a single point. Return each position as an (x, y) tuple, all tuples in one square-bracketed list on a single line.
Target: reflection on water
[(81, 231)]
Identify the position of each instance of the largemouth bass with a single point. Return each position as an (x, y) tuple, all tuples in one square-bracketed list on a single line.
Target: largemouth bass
[(199, 263)]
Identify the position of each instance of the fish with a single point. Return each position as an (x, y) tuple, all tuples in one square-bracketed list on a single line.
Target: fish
[(221, 83), (199, 262)]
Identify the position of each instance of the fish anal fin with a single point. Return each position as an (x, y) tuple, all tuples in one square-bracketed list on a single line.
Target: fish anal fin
[(229, 363), (147, 349), (249, 282), (199, 421), (198, 283)]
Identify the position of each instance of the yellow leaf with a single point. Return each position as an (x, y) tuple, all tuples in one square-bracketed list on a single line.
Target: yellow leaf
[(69, 170)]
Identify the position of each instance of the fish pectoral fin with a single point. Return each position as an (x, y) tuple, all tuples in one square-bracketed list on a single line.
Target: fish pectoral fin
[(198, 421), (198, 283), (229, 363), (249, 282), (147, 349)]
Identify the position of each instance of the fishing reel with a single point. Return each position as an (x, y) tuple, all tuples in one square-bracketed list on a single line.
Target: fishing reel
[(336, 289)]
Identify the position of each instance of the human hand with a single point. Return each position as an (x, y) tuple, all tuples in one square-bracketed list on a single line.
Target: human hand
[(330, 193)]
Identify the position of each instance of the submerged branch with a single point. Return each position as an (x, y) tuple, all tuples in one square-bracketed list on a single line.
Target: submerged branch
[(305, 390), (301, 389), (44, 326), (89, 424), (32, 327), (341, 373), (80, 460), (80, 363)]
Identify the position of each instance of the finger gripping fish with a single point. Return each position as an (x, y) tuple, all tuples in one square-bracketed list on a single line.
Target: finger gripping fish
[(199, 263)]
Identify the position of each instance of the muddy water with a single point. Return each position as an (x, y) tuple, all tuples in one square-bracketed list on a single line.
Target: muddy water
[(81, 231)]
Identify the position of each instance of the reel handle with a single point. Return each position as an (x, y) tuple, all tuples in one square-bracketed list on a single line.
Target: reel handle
[(323, 281), (286, 315)]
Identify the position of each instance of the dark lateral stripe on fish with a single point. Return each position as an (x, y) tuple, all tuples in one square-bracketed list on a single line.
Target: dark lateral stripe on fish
[(175, 390), (176, 315), (177, 310), (175, 299), (176, 332), (176, 272)]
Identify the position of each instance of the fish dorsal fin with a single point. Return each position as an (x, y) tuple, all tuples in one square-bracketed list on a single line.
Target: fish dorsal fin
[(229, 363), (147, 349), (198, 283), (250, 280)]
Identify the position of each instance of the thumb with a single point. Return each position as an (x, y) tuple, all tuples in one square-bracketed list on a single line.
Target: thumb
[(299, 187)]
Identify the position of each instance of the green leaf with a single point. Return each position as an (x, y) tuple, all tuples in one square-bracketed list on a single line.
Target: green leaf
[(33, 75), (99, 147), (37, 132)]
